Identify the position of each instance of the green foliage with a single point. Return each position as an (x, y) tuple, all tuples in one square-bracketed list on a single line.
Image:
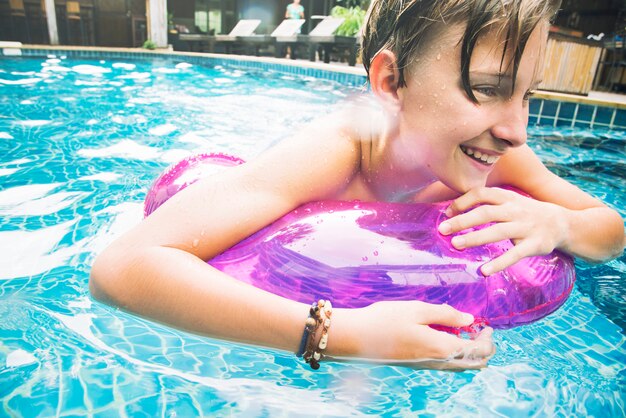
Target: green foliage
[(353, 20), (149, 44), (363, 4)]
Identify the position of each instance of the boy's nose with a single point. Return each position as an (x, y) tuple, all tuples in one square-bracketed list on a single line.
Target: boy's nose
[(511, 124)]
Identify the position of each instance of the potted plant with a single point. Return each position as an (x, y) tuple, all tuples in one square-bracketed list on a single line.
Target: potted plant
[(353, 19)]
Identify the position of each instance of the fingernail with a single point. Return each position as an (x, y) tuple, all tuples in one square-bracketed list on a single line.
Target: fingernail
[(458, 242), (445, 228), (486, 269), (448, 211)]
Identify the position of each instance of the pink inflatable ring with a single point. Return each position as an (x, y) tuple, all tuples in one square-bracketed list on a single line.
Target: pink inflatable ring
[(357, 253)]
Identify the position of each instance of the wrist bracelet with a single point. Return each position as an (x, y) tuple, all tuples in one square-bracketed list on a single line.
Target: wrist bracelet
[(315, 335)]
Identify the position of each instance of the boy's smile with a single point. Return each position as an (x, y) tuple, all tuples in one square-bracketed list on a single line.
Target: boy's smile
[(484, 157)]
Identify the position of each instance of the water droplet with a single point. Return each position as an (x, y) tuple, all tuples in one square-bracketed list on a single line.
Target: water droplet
[(438, 56), (195, 243)]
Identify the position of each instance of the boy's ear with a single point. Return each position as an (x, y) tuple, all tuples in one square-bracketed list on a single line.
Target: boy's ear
[(384, 78)]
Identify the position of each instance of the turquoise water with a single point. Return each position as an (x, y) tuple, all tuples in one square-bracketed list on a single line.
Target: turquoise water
[(80, 143)]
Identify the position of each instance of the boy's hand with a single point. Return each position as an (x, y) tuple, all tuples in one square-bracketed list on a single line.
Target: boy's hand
[(400, 332), (534, 227)]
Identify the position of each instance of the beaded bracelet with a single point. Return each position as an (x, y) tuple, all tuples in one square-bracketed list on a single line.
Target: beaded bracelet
[(312, 345)]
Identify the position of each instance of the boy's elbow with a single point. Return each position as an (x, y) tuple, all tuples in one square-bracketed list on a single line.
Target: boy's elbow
[(104, 278), (614, 237)]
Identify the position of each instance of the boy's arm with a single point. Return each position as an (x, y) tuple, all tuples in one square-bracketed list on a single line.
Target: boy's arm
[(563, 216), (158, 269)]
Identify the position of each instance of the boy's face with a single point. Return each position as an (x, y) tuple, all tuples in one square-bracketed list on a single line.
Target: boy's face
[(441, 130)]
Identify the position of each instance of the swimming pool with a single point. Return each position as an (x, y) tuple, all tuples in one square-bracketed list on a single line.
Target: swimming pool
[(82, 140)]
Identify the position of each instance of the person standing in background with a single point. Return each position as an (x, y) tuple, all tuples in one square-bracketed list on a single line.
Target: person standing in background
[(294, 11)]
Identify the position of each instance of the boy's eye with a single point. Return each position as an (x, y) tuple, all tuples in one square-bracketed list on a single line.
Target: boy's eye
[(488, 91)]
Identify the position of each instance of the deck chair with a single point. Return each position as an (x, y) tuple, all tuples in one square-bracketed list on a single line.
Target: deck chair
[(323, 36), (327, 26), (244, 27), (286, 34), (288, 28)]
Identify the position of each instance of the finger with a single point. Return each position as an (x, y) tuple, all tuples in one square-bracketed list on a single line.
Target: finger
[(464, 354), (512, 256), (494, 233), (444, 315), (480, 195), (476, 353), (475, 217), (449, 365), (480, 347)]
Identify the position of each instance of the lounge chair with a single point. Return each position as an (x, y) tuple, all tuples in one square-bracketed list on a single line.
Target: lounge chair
[(323, 36), (286, 34), (288, 29), (245, 27)]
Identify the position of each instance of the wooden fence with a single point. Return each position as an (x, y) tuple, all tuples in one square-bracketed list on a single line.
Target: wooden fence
[(570, 64)]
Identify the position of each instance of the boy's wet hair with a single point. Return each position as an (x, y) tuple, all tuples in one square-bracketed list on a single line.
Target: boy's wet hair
[(406, 27)]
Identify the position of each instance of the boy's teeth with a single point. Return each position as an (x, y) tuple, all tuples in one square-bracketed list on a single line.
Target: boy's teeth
[(477, 155)]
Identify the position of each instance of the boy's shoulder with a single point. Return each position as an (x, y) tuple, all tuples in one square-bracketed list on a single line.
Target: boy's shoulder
[(360, 119)]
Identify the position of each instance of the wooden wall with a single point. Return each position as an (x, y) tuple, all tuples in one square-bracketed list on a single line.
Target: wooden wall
[(570, 65)]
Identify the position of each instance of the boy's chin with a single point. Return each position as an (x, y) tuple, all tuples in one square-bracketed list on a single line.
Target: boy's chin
[(465, 186)]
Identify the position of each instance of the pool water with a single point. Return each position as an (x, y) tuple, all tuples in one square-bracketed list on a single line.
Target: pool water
[(80, 144)]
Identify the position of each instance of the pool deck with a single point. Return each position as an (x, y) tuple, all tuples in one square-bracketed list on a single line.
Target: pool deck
[(596, 98), (599, 98)]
